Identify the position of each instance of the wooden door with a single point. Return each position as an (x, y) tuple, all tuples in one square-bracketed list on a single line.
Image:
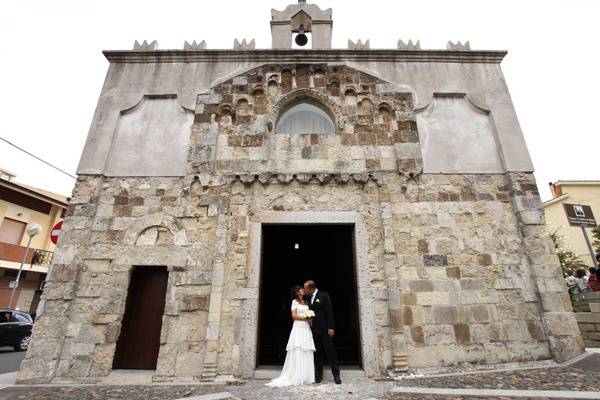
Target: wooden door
[(139, 341)]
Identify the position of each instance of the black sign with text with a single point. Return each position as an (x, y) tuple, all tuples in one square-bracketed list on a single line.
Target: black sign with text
[(580, 215)]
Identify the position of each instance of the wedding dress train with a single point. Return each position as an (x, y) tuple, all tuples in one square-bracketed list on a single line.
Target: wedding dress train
[(299, 367)]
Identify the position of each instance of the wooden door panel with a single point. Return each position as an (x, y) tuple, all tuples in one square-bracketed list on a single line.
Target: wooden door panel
[(139, 341)]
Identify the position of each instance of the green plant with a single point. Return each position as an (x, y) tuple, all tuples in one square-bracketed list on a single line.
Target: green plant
[(596, 235), (568, 260)]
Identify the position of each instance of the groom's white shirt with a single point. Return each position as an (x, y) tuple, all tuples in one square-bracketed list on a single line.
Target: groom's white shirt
[(312, 298)]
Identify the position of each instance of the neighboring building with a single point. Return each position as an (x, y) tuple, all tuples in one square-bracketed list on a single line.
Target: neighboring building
[(21, 205), (572, 192), (213, 180)]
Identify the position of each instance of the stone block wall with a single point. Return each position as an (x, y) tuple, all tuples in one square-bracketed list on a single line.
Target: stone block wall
[(111, 226), (448, 280), (234, 125), (457, 268)]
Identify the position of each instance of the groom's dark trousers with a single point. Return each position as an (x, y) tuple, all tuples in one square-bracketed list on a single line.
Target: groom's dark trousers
[(322, 322)]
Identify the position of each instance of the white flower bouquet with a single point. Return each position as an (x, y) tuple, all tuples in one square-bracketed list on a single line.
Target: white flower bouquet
[(309, 314)]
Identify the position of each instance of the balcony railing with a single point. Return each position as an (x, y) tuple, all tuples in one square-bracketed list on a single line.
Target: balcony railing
[(42, 257), (14, 253)]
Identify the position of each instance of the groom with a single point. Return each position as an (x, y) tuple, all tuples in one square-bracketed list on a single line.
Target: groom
[(322, 327)]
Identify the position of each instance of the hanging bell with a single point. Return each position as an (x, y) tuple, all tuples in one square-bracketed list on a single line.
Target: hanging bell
[(301, 38)]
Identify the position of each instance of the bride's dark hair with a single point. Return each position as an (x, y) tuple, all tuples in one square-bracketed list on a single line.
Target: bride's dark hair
[(294, 291)]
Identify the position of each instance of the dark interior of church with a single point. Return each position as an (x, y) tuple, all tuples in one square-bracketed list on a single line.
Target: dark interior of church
[(292, 254)]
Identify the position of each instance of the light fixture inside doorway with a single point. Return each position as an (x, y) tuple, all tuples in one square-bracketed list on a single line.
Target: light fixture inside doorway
[(297, 246)]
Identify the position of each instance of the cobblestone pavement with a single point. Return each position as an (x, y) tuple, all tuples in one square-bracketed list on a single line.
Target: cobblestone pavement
[(357, 389), (403, 396), (571, 378), (132, 392), (538, 379)]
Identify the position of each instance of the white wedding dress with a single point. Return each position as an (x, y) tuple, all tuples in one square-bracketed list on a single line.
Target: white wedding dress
[(299, 367)]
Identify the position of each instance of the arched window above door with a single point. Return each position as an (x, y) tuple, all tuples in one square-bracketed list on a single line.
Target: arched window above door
[(303, 118)]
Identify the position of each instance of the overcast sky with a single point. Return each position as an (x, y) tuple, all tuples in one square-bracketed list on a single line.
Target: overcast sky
[(52, 69)]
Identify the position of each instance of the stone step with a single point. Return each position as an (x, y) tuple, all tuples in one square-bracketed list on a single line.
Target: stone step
[(267, 373), (129, 377)]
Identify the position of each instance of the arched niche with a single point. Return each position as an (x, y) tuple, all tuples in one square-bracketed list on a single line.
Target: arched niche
[(350, 97), (334, 88), (273, 88), (303, 117), (365, 107), (384, 114), (242, 107), (226, 116), (319, 78), (308, 104)]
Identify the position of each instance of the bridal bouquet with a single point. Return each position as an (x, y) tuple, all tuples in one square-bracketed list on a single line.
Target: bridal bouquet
[(309, 314)]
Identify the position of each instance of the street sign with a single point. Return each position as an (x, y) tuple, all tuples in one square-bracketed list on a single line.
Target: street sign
[(580, 215), (55, 232)]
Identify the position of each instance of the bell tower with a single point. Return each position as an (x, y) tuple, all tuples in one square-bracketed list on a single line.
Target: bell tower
[(299, 23)]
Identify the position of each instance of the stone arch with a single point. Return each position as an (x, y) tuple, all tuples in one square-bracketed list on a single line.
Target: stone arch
[(156, 235), (242, 107), (385, 113), (144, 228), (226, 115), (273, 87), (365, 107), (333, 88), (258, 92), (308, 96), (350, 97), (318, 77), (260, 100)]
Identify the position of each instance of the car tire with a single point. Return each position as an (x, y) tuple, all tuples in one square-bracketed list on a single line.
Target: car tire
[(23, 343)]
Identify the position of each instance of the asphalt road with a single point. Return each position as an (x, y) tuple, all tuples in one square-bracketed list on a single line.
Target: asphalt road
[(10, 360)]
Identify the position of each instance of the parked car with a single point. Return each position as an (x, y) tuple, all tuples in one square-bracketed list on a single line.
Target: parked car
[(15, 329)]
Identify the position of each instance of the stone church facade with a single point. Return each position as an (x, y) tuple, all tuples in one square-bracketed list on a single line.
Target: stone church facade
[(184, 166)]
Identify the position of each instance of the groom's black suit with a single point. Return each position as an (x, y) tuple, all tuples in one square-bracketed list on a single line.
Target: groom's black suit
[(322, 322)]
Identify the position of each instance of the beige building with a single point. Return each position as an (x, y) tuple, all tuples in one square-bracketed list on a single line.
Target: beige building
[(21, 205), (214, 180), (572, 192)]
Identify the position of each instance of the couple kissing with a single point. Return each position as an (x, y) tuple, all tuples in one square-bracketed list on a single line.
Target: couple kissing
[(311, 338)]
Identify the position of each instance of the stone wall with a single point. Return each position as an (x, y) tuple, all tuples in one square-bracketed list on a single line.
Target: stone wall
[(111, 226), (454, 268), (234, 125), (448, 281)]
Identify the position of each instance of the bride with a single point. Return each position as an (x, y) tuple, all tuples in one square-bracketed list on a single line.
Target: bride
[(299, 367)]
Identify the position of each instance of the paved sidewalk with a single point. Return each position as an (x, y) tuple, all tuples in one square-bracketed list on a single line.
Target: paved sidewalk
[(7, 379), (10, 360)]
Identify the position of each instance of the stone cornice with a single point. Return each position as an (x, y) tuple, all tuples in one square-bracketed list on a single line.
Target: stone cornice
[(303, 56)]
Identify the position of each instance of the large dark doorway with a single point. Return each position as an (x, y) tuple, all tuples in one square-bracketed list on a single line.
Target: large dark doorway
[(139, 341), (291, 254)]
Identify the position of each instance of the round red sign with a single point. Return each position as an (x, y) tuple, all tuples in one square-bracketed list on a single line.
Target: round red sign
[(55, 232)]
